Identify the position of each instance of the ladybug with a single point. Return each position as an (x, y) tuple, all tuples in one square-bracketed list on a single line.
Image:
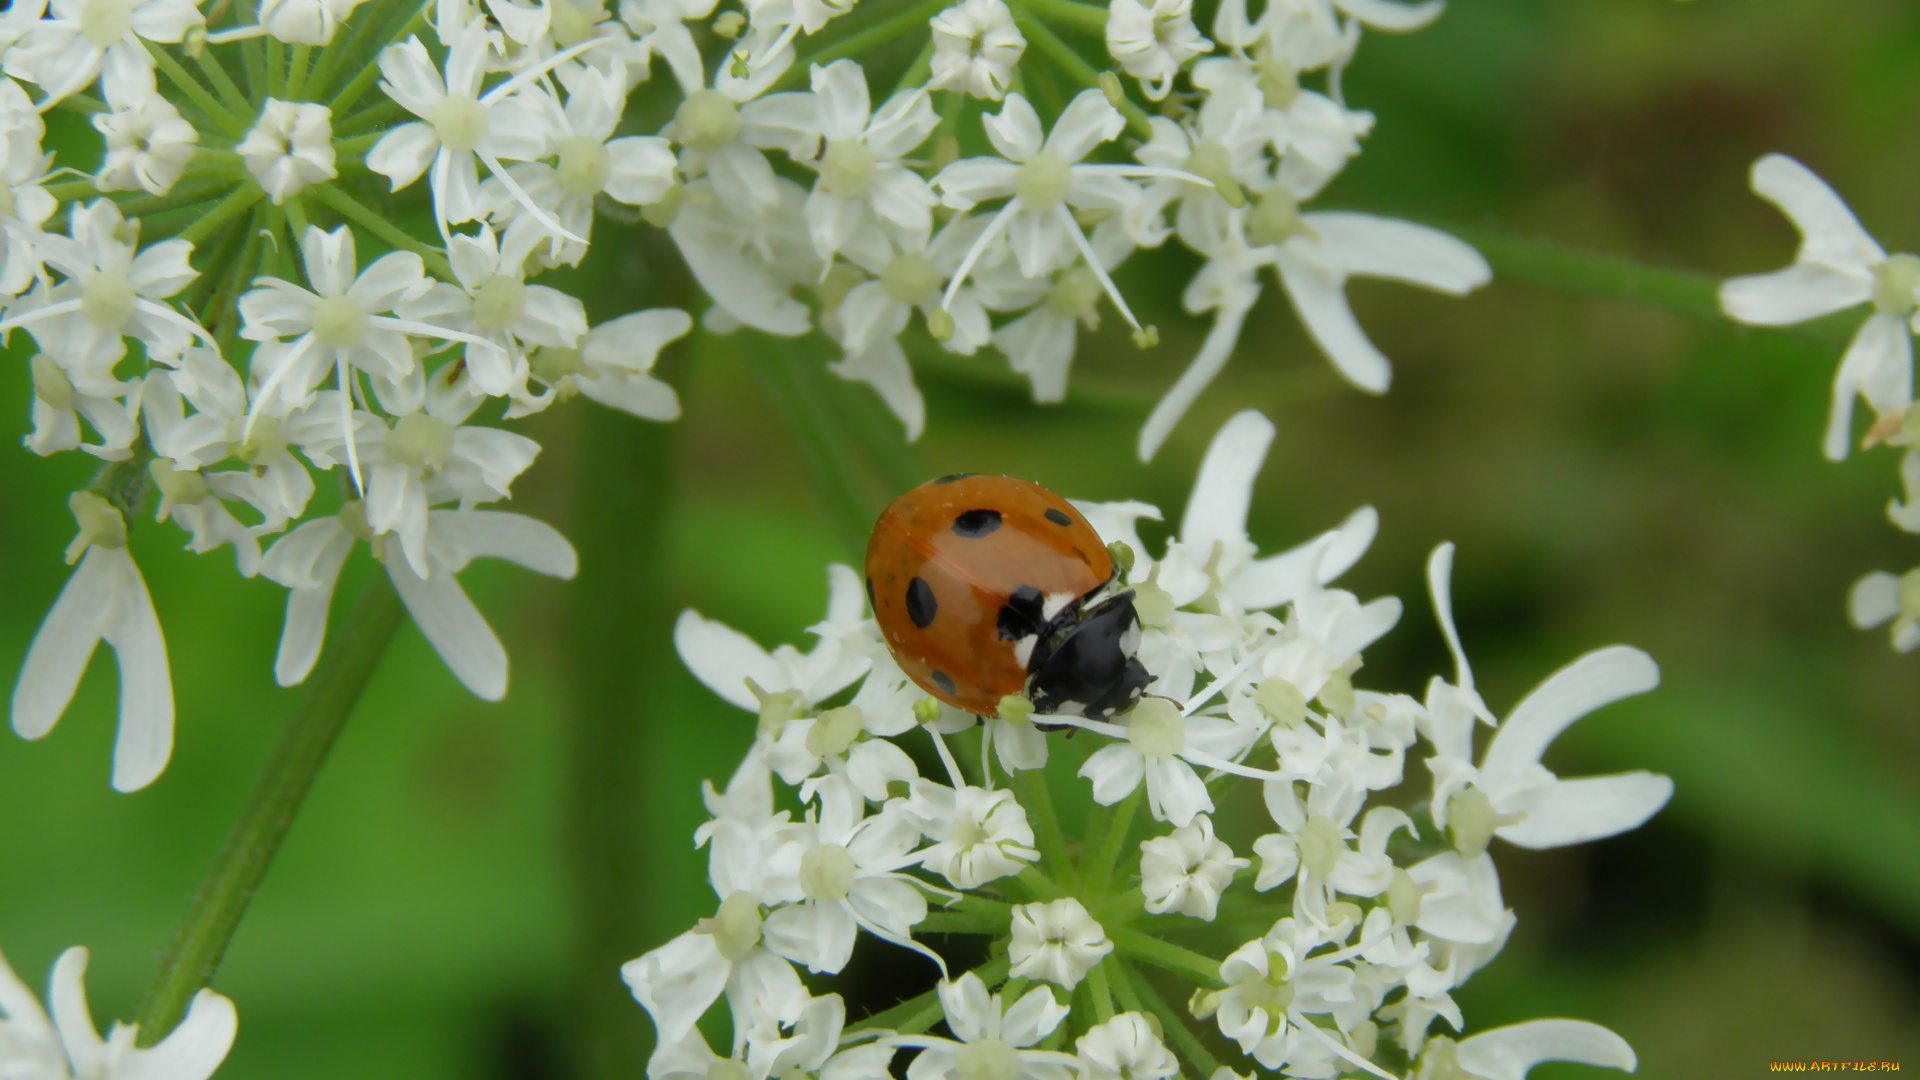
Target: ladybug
[(986, 586)]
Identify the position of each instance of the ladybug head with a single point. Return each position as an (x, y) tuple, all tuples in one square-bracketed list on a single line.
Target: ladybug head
[(1090, 671)]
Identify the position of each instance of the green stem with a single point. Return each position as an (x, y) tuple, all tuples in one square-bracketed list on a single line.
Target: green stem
[(297, 68), (1098, 989), (1046, 822), (1548, 265), (235, 204), (253, 64), (296, 212), (353, 210), (917, 72), (1184, 1039), (1097, 873), (183, 194), (375, 115), (332, 691), (196, 297), (84, 104), (1040, 885), (829, 460), (1068, 60), (971, 915), (223, 84), (365, 26), (1088, 17), (222, 310), (1165, 954), (370, 72), (894, 26), (357, 145), (196, 93), (276, 67)]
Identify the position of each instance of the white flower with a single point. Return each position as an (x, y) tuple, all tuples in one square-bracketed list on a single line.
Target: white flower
[(308, 561), (343, 325), (105, 600), (810, 1048), (1881, 597), (1837, 267), (727, 660), (1187, 870), (613, 364), (991, 1038), (67, 1045), (110, 293), (848, 879), (748, 256), (677, 982), (289, 148), (431, 456), (1512, 796), (774, 24), (1275, 983), (1314, 254), (148, 143), (589, 161), (1056, 942), (1041, 343), (1152, 42), (459, 128), (271, 479), (975, 48), (1229, 142), (64, 392), (1157, 743), (1510, 1053), (24, 203), (65, 51), (1314, 841), (1043, 183), (862, 178), (495, 310), (1127, 1047), (978, 835)]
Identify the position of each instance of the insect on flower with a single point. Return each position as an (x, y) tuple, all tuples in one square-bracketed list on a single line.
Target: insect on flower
[(987, 587)]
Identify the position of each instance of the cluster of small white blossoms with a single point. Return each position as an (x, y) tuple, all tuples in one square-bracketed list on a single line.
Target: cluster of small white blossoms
[(1839, 266), (213, 394), (1336, 941)]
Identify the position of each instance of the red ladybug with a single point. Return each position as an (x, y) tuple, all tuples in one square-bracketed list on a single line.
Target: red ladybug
[(986, 586)]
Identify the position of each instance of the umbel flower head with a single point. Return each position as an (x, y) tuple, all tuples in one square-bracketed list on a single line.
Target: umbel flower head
[(1373, 916)]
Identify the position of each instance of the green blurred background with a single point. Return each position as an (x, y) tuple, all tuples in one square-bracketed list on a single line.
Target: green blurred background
[(1611, 472)]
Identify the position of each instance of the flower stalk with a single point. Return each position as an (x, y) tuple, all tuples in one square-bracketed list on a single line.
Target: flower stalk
[(349, 662)]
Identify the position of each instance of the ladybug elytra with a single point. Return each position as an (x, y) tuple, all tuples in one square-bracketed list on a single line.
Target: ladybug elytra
[(987, 586)]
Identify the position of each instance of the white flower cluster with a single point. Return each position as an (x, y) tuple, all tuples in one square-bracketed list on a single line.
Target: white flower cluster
[(212, 395), (1839, 266), (1365, 916)]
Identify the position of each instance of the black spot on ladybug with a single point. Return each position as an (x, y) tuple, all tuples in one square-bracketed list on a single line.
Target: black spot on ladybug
[(951, 477), (976, 523), (1022, 615), (921, 606), (1058, 518), (944, 681), (871, 602)]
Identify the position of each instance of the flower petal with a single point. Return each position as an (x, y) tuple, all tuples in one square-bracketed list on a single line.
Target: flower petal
[(145, 738), (724, 658), (1321, 302), (1217, 509), (1874, 599), (1599, 678), (1369, 246), (1589, 808), (1508, 1053), (1015, 130), (1829, 233), (60, 650), (455, 629), (1800, 292)]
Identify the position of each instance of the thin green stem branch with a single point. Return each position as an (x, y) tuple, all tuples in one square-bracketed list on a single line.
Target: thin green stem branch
[(1089, 17), (1046, 822), (201, 97), (1099, 991), (223, 84), (235, 204), (332, 692), (904, 21), (84, 104), (357, 212), (1165, 954), (1097, 871), (1039, 884), (373, 116), (1065, 57), (370, 72), (366, 22), (1174, 1025), (297, 66)]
